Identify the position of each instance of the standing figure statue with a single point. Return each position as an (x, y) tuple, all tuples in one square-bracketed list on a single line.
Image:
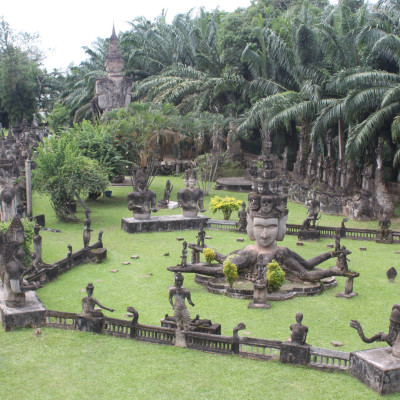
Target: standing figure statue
[(89, 302), (242, 214), (384, 225), (201, 235), (141, 201), (184, 254), (86, 228), (191, 196), (180, 294), (37, 247)]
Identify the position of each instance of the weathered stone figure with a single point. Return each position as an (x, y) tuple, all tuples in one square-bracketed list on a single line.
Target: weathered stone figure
[(184, 254), (12, 265), (37, 247), (142, 200), (312, 215), (201, 236), (242, 214), (384, 225), (190, 197), (299, 331), (180, 294), (89, 303), (391, 338), (86, 228), (167, 194)]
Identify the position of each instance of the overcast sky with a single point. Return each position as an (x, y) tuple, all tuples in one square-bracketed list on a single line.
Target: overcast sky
[(64, 27)]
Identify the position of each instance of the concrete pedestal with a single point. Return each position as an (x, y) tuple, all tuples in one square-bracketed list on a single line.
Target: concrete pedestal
[(295, 354), (348, 290), (260, 296), (311, 234), (31, 315), (377, 369), (163, 223), (87, 324)]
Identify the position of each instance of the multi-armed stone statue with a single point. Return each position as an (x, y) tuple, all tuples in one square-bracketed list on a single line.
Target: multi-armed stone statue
[(191, 198), (266, 218), (141, 201)]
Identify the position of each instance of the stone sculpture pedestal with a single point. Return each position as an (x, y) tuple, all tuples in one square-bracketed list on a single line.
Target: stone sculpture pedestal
[(260, 295), (89, 324), (295, 354), (310, 234), (377, 369), (31, 315), (348, 289), (163, 223), (180, 338)]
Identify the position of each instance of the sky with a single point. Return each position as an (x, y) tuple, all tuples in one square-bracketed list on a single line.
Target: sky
[(64, 27)]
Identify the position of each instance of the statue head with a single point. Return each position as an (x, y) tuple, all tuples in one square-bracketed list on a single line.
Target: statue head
[(254, 200), (179, 279), (299, 317), (16, 231), (190, 178), (89, 289), (140, 180)]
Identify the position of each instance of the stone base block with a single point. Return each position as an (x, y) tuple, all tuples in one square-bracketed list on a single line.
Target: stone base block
[(86, 324), (377, 369), (97, 255), (347, 295), (294, 354), (163, 223), (259, 305), (311, 234), (31, 315)]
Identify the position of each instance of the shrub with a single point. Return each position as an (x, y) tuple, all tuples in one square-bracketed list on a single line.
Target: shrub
[(275, 276), (227, 205), (209, 254), (230, 272)]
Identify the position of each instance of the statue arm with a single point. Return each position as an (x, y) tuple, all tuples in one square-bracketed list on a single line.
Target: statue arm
[(171, 295), (103, 307), (189, 298), (200, 201)]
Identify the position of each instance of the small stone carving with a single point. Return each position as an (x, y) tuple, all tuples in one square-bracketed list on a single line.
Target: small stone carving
[(201, 236), (86, 228), (191, 196), (384, 235), (184, 254), (242, 214), (167, 194), (391, 274), (392, 338), (180, 294), (89, 302), (142, 200), (312, 215), (299, 331)]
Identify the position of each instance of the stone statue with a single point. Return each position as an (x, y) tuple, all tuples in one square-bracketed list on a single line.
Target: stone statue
[(12, 268), (89, 302), (242, 214), (342, 259), (384, 225), (391, 338), (312, 215), (201, 236), (191, 196), (180, 294), (299, 331), (285, 159), (37, 247), (266, 225), (86, 228), (184, 254), (167, 194), (142, 200), (216, 141)]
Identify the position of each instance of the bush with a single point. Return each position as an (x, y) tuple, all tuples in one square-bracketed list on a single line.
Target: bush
[(227, 205), (230, 272), (209, 255), (275, 276)]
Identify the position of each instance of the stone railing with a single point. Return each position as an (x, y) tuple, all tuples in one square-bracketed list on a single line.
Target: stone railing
[(325, 231), (154, 334), (261, 349), (60, 320), (329, 359), (51, 272), (208, 342)]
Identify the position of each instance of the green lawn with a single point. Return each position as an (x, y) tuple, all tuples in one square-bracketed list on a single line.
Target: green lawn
[(68, 365)]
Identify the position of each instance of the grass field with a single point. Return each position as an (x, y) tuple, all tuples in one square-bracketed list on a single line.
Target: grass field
[(73, 365)]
